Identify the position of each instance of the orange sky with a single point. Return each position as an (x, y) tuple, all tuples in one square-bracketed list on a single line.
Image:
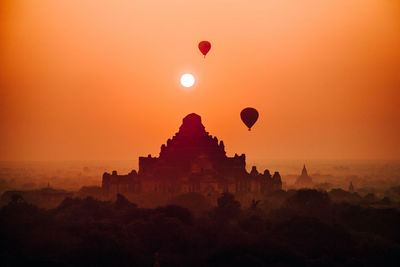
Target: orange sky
[(100, 79)]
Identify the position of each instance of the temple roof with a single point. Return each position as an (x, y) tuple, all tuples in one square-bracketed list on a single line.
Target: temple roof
[(192, 141), (192, 126)]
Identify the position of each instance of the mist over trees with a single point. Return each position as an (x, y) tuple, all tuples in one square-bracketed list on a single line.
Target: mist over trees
[(302, 228)]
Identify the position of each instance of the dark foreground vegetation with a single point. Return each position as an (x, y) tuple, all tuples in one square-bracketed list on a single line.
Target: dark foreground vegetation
[(301, 228)]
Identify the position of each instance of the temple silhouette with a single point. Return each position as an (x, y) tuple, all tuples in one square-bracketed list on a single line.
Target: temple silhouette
[(192, 161), (304, 180)]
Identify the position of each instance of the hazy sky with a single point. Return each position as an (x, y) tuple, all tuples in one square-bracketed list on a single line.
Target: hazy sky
[(100, 79)]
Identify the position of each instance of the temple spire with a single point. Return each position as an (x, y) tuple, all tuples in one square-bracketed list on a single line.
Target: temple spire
[(304, 181), (304, 171), (351, 187)]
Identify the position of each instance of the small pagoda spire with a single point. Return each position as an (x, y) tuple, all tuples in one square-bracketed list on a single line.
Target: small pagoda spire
[(304, 171), (351, 187)]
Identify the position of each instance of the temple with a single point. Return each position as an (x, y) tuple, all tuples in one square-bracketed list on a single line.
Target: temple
[(304, 180), (192, 161)]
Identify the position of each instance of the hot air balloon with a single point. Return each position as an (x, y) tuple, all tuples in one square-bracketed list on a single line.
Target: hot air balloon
[(204, 47), (249, 116)]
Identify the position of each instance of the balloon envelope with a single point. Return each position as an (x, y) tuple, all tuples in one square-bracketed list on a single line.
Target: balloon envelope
[(204, 47), (249, 116)]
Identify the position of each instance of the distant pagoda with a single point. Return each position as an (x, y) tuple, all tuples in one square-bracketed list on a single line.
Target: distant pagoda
[(351, 187), (304, 180)]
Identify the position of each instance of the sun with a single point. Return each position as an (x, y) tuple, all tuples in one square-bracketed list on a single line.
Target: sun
[(187, 80)]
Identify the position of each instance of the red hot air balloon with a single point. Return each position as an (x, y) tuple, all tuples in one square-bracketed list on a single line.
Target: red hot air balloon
[(204, 47), (249, 116)]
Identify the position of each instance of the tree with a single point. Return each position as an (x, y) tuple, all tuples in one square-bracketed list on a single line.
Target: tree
[(123, 202), (228, 207), (309, 202), (17, 198)]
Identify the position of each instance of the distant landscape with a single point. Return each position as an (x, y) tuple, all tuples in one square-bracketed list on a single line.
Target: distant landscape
[(368, 176)]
